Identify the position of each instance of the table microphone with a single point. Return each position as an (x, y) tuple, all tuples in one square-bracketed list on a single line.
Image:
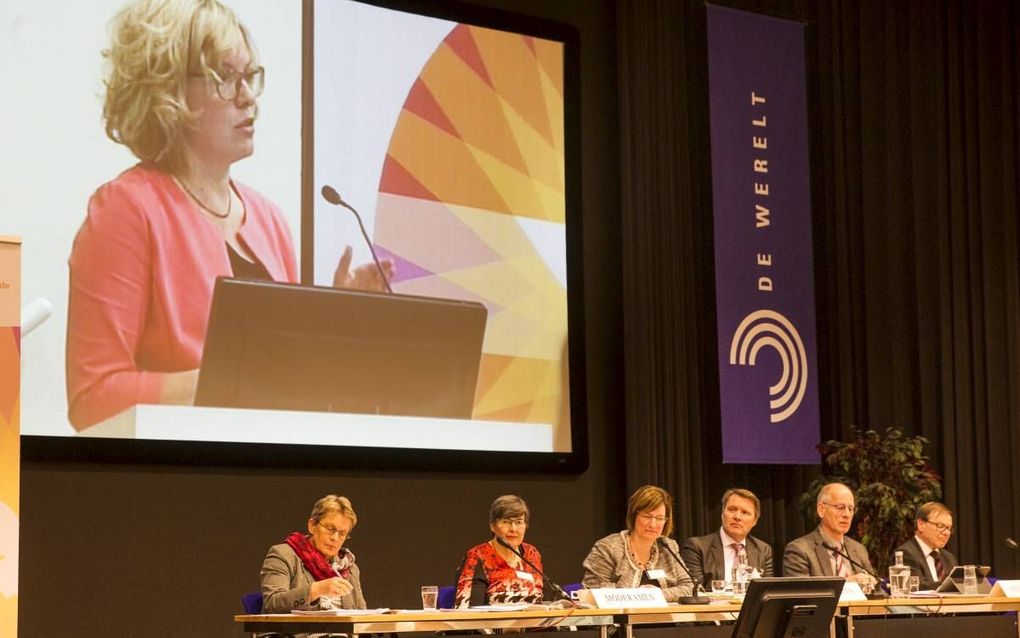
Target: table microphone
[(696, 599), (556, 588), (330, 195), (1012, 544), (881, 582)]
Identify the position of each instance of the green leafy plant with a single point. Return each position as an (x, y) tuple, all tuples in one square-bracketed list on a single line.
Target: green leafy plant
[(890, 477)]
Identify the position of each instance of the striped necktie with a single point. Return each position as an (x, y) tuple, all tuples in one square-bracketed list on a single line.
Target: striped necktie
[(940, 567), (841, 566)]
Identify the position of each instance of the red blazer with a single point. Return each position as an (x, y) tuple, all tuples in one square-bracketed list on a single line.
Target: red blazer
[(142, 268)]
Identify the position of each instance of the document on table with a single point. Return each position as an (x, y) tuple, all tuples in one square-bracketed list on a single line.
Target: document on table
[(504, 607), (340, 612)]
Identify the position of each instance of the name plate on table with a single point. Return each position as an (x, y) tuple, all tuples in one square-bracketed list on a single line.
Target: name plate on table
[(635, 597), (852, 591), (1006, 588)]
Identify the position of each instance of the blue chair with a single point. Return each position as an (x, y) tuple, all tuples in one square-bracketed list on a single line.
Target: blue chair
[(252, 602), (446, 597)]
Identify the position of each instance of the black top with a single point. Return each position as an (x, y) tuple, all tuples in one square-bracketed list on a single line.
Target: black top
[(244, 269)]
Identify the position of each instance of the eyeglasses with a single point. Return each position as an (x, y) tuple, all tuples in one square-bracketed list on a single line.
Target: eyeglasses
[(841, 507), (654, 519), (332, 531), (512, 522), (228, 86), (942, 529)]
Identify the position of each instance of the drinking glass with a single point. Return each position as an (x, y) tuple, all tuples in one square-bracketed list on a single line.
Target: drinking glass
[(970, 580), (867, 586), (719, 587), (913, 584), (429, 594)]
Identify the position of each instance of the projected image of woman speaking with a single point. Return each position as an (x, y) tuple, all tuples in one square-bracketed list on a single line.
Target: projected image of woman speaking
[(182, 83)]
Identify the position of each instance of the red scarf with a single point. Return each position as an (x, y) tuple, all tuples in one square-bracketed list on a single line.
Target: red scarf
[(316, 563)]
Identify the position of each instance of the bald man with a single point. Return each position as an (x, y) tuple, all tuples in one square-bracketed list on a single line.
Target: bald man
[(813, 554)]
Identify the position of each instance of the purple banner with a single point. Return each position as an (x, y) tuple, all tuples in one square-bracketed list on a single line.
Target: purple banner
[(768, 383)]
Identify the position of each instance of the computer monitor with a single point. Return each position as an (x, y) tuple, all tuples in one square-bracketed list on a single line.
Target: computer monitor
[(291, 347), (788, 607)]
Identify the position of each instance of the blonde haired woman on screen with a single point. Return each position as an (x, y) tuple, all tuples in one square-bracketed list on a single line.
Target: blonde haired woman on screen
[(181, 88)]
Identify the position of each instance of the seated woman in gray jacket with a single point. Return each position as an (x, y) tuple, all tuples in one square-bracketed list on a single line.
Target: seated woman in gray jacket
[(315, 568), (635, 557)]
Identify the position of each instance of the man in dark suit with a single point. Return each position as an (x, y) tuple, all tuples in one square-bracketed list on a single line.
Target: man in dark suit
[(711, 557), (824, 551), (925, 553)]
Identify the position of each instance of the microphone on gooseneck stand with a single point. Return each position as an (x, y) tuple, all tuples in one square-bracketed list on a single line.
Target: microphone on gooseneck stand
[(697, 598), (330, 195), (556, 588), (881, 582)]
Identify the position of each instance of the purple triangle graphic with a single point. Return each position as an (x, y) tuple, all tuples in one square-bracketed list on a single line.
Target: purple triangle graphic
[(406, 270)]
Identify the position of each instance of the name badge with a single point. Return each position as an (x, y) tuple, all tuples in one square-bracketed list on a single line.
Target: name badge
[(523, 575), (656, 574)]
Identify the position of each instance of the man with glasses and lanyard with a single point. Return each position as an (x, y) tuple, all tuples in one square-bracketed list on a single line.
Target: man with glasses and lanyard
[(827, 551), (925, 553)]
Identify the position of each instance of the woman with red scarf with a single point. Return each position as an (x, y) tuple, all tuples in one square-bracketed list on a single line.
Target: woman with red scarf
[(315, 568)]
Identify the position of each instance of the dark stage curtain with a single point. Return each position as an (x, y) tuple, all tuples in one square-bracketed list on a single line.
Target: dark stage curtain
[(914, 118)]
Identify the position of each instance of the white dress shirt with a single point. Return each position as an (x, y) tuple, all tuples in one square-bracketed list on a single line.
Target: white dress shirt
[(926, 550)]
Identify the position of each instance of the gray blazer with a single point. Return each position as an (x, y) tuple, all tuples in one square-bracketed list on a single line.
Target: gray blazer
[(806, 556), (918, 563), (286, 581), (706, 558), (609, 565)]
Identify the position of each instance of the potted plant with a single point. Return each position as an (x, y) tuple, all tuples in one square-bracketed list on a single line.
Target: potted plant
[(890, 477)]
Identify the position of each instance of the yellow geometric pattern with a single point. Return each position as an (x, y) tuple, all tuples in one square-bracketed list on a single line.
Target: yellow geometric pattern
[(10, 431), (472, 196)]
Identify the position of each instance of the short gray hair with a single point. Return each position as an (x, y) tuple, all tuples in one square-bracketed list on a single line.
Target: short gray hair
[(827, 488), (509, 506)]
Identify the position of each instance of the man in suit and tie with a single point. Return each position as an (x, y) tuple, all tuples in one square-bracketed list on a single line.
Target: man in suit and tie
[(925, 553), (712, 557), (825, 551)]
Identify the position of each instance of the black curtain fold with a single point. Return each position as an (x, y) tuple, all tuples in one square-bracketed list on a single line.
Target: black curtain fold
[(663, 306), (914, 120)]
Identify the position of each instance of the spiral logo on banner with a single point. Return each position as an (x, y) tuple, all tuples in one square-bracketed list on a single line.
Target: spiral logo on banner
[(769, 328)]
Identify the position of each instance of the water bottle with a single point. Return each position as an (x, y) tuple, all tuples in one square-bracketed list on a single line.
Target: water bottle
[(741, 574), (898, 576)]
